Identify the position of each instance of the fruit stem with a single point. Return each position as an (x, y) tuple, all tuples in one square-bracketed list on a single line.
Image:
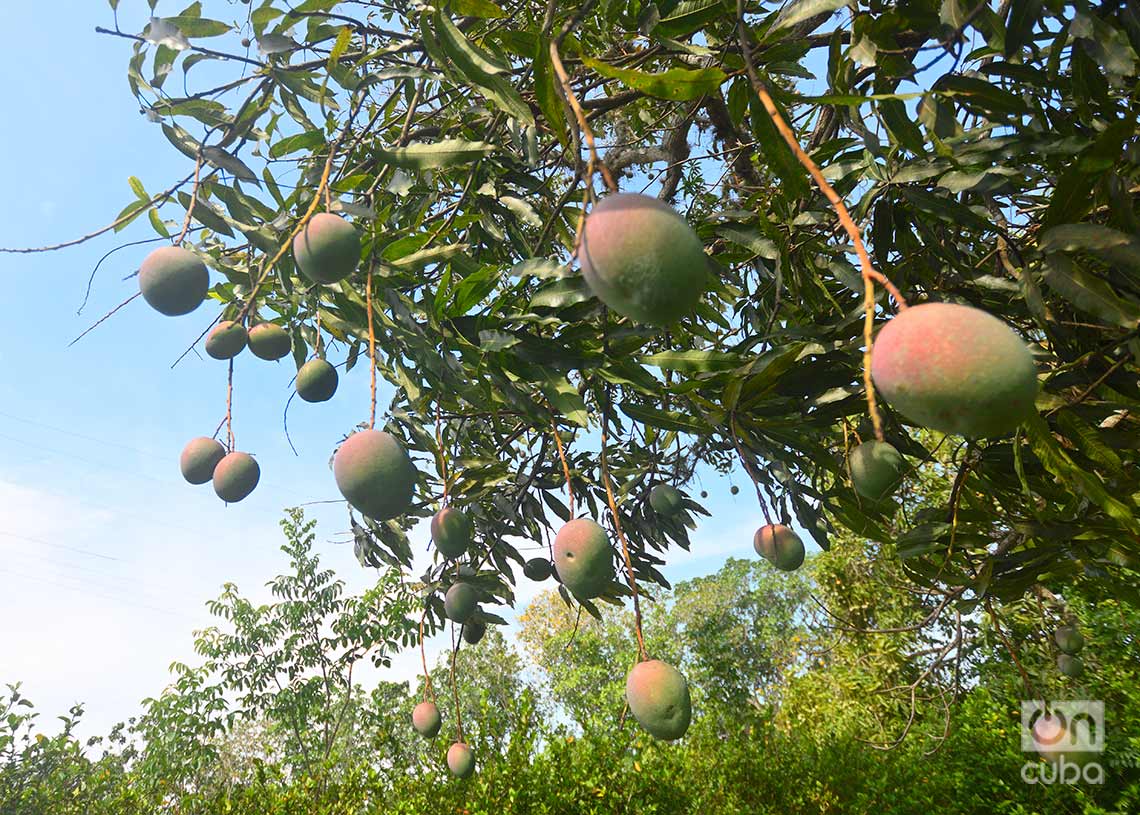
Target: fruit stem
[(565, 466), (104, 318), (748, 469), (193, 201), (869, 273), (428, 689), (371, 350), (229, 406), (312, 209), (442, 458), (572, 100), (454, 688), (641, 652)]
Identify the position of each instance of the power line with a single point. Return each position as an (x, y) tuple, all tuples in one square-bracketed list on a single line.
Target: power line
[(88, 552), (93, 593)]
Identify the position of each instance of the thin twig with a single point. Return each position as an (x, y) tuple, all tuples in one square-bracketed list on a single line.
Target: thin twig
[(161, 198), (103, 319), (371, 351), (868, 271), (565, 465), (642, 654), (193, 200)]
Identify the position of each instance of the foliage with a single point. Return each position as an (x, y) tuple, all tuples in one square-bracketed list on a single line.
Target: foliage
[(763, 757), (1000, 176)]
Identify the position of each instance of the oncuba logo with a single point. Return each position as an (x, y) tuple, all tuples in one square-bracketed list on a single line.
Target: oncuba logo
[(1067, 736)]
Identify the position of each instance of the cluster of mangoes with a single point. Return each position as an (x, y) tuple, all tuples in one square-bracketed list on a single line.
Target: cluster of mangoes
[(947, 367)]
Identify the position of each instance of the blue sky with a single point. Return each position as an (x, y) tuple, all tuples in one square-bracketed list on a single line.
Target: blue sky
[(106, 556)]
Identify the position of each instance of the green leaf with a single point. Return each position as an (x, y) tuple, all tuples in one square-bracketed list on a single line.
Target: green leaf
[(471, 60), (1023, 16), (217, 157), (309, 140), (433, 155), (1088, 441), (663, 419), (901, 126), (186, 144), (1057, 462), (677, 84), (804, 10), (565, 398), (484, 9), (427, 257), (340, 47), (1113, 247), (775, 150), (138, 189), (1088, 292), (688, 16), (693, 361), (199, 26), (561, 293), (157, 224), (540, 267), (546, 93)]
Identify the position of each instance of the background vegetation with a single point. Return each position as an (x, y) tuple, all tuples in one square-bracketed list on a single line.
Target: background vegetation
[(792, 708), (989, 154)]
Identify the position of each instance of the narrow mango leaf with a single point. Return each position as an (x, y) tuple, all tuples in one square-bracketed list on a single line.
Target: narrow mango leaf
[(217, 157), (688, 16), (678, 84), (200, 27), (804, 10), (663, 419), (1057, 462), (546, 94), (301, 141), (477, 8), (1088, 292), (565, 398), (1111, 246), (469, 58), (540, 267), (426, 257), (693, 361), (433, 155)]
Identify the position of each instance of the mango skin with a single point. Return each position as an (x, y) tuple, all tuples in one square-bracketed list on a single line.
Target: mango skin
[(317, 381), (1069, 639), (780, 545), (374, 474), (460, 760), (583, 558), (459, 602), (876, 469), (666, 500), (235, 477), (473, 631), (327, 249), (227, 340), (199, 458), (269, 341), (642, 259), (452, 532), (1070, 665), (537, 569), (1054, 744), (658, 697), (173, 281), (955, 369), (426, 719)]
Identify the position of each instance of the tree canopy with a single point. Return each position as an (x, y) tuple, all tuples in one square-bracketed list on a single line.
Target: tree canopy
[(986, 152)]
